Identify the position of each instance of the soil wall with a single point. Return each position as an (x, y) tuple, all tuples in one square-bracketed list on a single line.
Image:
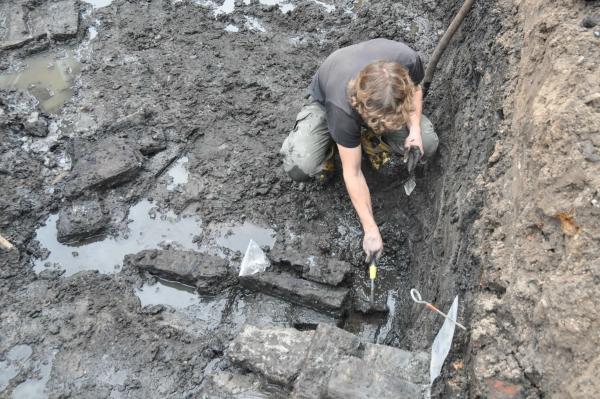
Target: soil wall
[(535, 323)]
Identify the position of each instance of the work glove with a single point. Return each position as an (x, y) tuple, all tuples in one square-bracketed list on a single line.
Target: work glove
[(372, 244)]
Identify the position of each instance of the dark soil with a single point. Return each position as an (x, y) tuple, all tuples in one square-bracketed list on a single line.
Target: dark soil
[(162, 80)]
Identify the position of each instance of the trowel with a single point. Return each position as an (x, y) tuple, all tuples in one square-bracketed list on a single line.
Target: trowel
[(372, 277), (371, 306), (411, 157)]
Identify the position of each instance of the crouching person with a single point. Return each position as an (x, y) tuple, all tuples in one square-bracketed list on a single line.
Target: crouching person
[(365, 97)]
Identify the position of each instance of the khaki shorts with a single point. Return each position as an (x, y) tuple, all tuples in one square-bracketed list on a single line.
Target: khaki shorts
[(309, 145)]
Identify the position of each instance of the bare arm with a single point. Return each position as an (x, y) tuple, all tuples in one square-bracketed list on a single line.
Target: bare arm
[(361, 198), (414, 123)]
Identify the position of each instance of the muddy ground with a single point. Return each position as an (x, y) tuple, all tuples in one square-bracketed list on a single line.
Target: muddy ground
[(172, 124)]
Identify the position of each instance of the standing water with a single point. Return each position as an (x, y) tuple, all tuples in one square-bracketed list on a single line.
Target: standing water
[(179, 173), (237, 237), (146, 230), (98, 3), (47, 78)]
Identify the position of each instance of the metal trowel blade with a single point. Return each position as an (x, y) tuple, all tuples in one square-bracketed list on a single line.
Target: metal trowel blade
[(410, 185)]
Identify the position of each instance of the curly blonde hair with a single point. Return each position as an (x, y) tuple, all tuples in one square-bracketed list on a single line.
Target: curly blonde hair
[(382, 94)]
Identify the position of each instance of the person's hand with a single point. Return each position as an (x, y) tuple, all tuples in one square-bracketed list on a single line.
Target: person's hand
[(414, 139), (372, 243)]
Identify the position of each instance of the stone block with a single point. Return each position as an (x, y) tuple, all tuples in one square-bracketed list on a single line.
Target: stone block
[(319, 268), (352, 378), (327, 271), (275, 353), (59, 19), (104, 164), (15, 33), (314, 295), (328, 346), (209, 274), (409, 366), (232, 386), (83, 219)]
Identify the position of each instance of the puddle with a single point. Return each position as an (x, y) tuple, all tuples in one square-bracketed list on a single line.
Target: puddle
[(148, 229), (284, 5), (253, 24), (206, 311), (179, 173), (327, 7), (113, 377), (232, 28), (7, 372), (35, 388), (98, 3), (19, 353), (258, 310), (296, 40), (237, 237), (47, 78), (228, 6), (165, 292), (16, 359)]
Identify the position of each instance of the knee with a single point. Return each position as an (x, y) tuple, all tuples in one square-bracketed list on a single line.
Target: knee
[(429, 137), (430, 145), (299, 168), (298, 164)]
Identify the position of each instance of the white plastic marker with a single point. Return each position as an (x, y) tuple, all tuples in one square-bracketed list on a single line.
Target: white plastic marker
[(254, 261), (442, 343), (416, 296)]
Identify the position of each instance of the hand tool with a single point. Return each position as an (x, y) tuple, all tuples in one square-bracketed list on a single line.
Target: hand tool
[(411, 157), (372, 277), (369, 306)]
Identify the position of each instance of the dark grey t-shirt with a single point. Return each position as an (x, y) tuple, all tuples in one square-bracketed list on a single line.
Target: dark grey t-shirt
[(329, 84)]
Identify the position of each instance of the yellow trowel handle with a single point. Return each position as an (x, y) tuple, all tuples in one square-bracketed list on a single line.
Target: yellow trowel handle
[(372, 271)]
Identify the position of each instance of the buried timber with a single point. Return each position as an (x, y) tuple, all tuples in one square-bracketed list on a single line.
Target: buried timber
[(132, 195)]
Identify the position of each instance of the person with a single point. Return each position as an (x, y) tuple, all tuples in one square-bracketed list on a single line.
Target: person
[(367, 88)]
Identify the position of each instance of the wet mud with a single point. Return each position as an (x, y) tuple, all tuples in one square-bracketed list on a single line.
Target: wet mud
[(168, 141), (140, 136)]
